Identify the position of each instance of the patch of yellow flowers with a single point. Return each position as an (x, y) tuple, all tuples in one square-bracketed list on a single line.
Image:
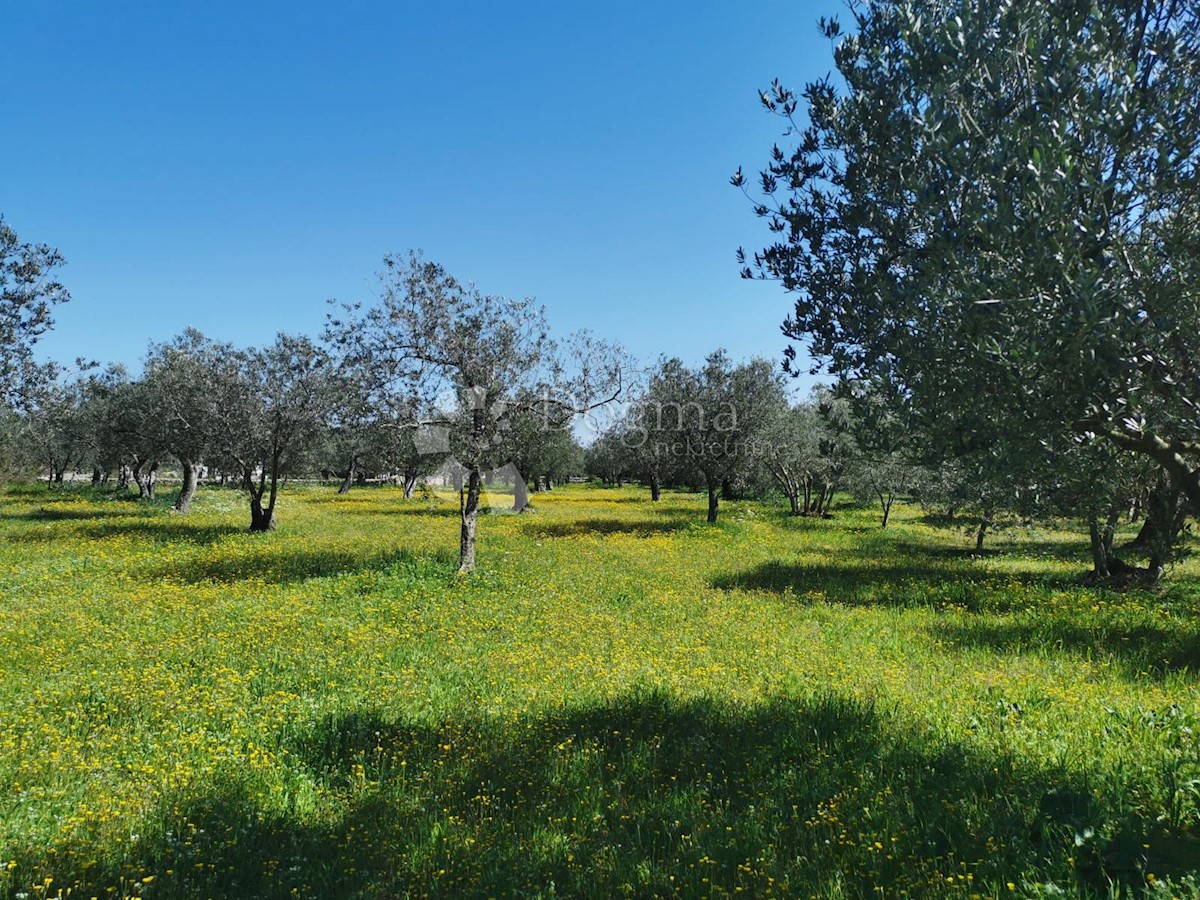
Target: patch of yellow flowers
[(174, 688)]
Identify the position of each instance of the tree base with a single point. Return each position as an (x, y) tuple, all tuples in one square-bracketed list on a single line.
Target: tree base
[(1122, 576)]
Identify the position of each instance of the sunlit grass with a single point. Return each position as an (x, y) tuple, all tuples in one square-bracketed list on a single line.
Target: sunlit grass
[(622, 700)]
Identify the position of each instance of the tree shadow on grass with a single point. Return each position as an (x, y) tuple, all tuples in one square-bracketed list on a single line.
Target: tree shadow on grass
[(414, 508), (443, 511), (645, 795), (920, 583), (577, 527), (1140, 649), (957, 521), (1062, 550), (1076, 551), (283, 564), (155, 529), (598, 493), (51, 514), (167, 529), (1016, 542)]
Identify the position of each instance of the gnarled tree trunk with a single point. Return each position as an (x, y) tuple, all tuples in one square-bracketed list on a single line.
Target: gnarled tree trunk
[(520, 494), (350, 473), (262, 515), (146, 479), (187, 491), (261, 518), (1166, 514), (410, 483), (1104, 561), (984, 524), (469, 515)]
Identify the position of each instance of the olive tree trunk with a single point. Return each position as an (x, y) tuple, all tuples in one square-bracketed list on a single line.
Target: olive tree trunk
[(410, 483), (350, 473), (262, 514), (1104, 561), (1166, 515), (469, 514), (261, 518), (886, 499), (187, 491), (984, 524), (520, 494), (146, 479)]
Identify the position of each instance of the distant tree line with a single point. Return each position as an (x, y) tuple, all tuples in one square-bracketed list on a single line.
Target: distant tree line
[(435, 377), (731, 431)]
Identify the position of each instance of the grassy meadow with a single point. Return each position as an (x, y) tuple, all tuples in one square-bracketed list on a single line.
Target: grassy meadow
[(622, 700)]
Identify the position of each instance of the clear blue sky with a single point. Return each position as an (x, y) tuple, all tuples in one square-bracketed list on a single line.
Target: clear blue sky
[(233, 165)]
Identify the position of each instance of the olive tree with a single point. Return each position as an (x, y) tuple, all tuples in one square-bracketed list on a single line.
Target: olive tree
[(272, 403), (28, 293), (541, 449), (56, 433), (404, 452), (129, 437), (180, 378), (790, 449), (609, 459), (433, 342), (995, 209), (708, 419)]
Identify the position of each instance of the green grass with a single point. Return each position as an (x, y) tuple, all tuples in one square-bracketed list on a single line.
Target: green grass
[(623, 700)]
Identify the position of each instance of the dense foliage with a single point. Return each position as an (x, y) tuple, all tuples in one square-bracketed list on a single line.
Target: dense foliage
[(992, 210), (28, 294)]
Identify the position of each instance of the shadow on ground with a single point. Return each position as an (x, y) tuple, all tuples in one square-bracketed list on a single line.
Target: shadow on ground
[(859, 581), (282, 564), (415, 508), (644, 796), (577, 527), (61, 514), (1141, 649), (153, 529), (142, 526), (1075, 550)]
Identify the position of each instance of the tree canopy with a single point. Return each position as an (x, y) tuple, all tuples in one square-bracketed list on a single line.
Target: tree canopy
[(993, 209), (28, 293)]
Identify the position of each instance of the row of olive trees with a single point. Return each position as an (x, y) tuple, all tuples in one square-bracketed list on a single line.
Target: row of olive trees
[(434, 374), (694, 426), (728, 428), (247, 413)]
